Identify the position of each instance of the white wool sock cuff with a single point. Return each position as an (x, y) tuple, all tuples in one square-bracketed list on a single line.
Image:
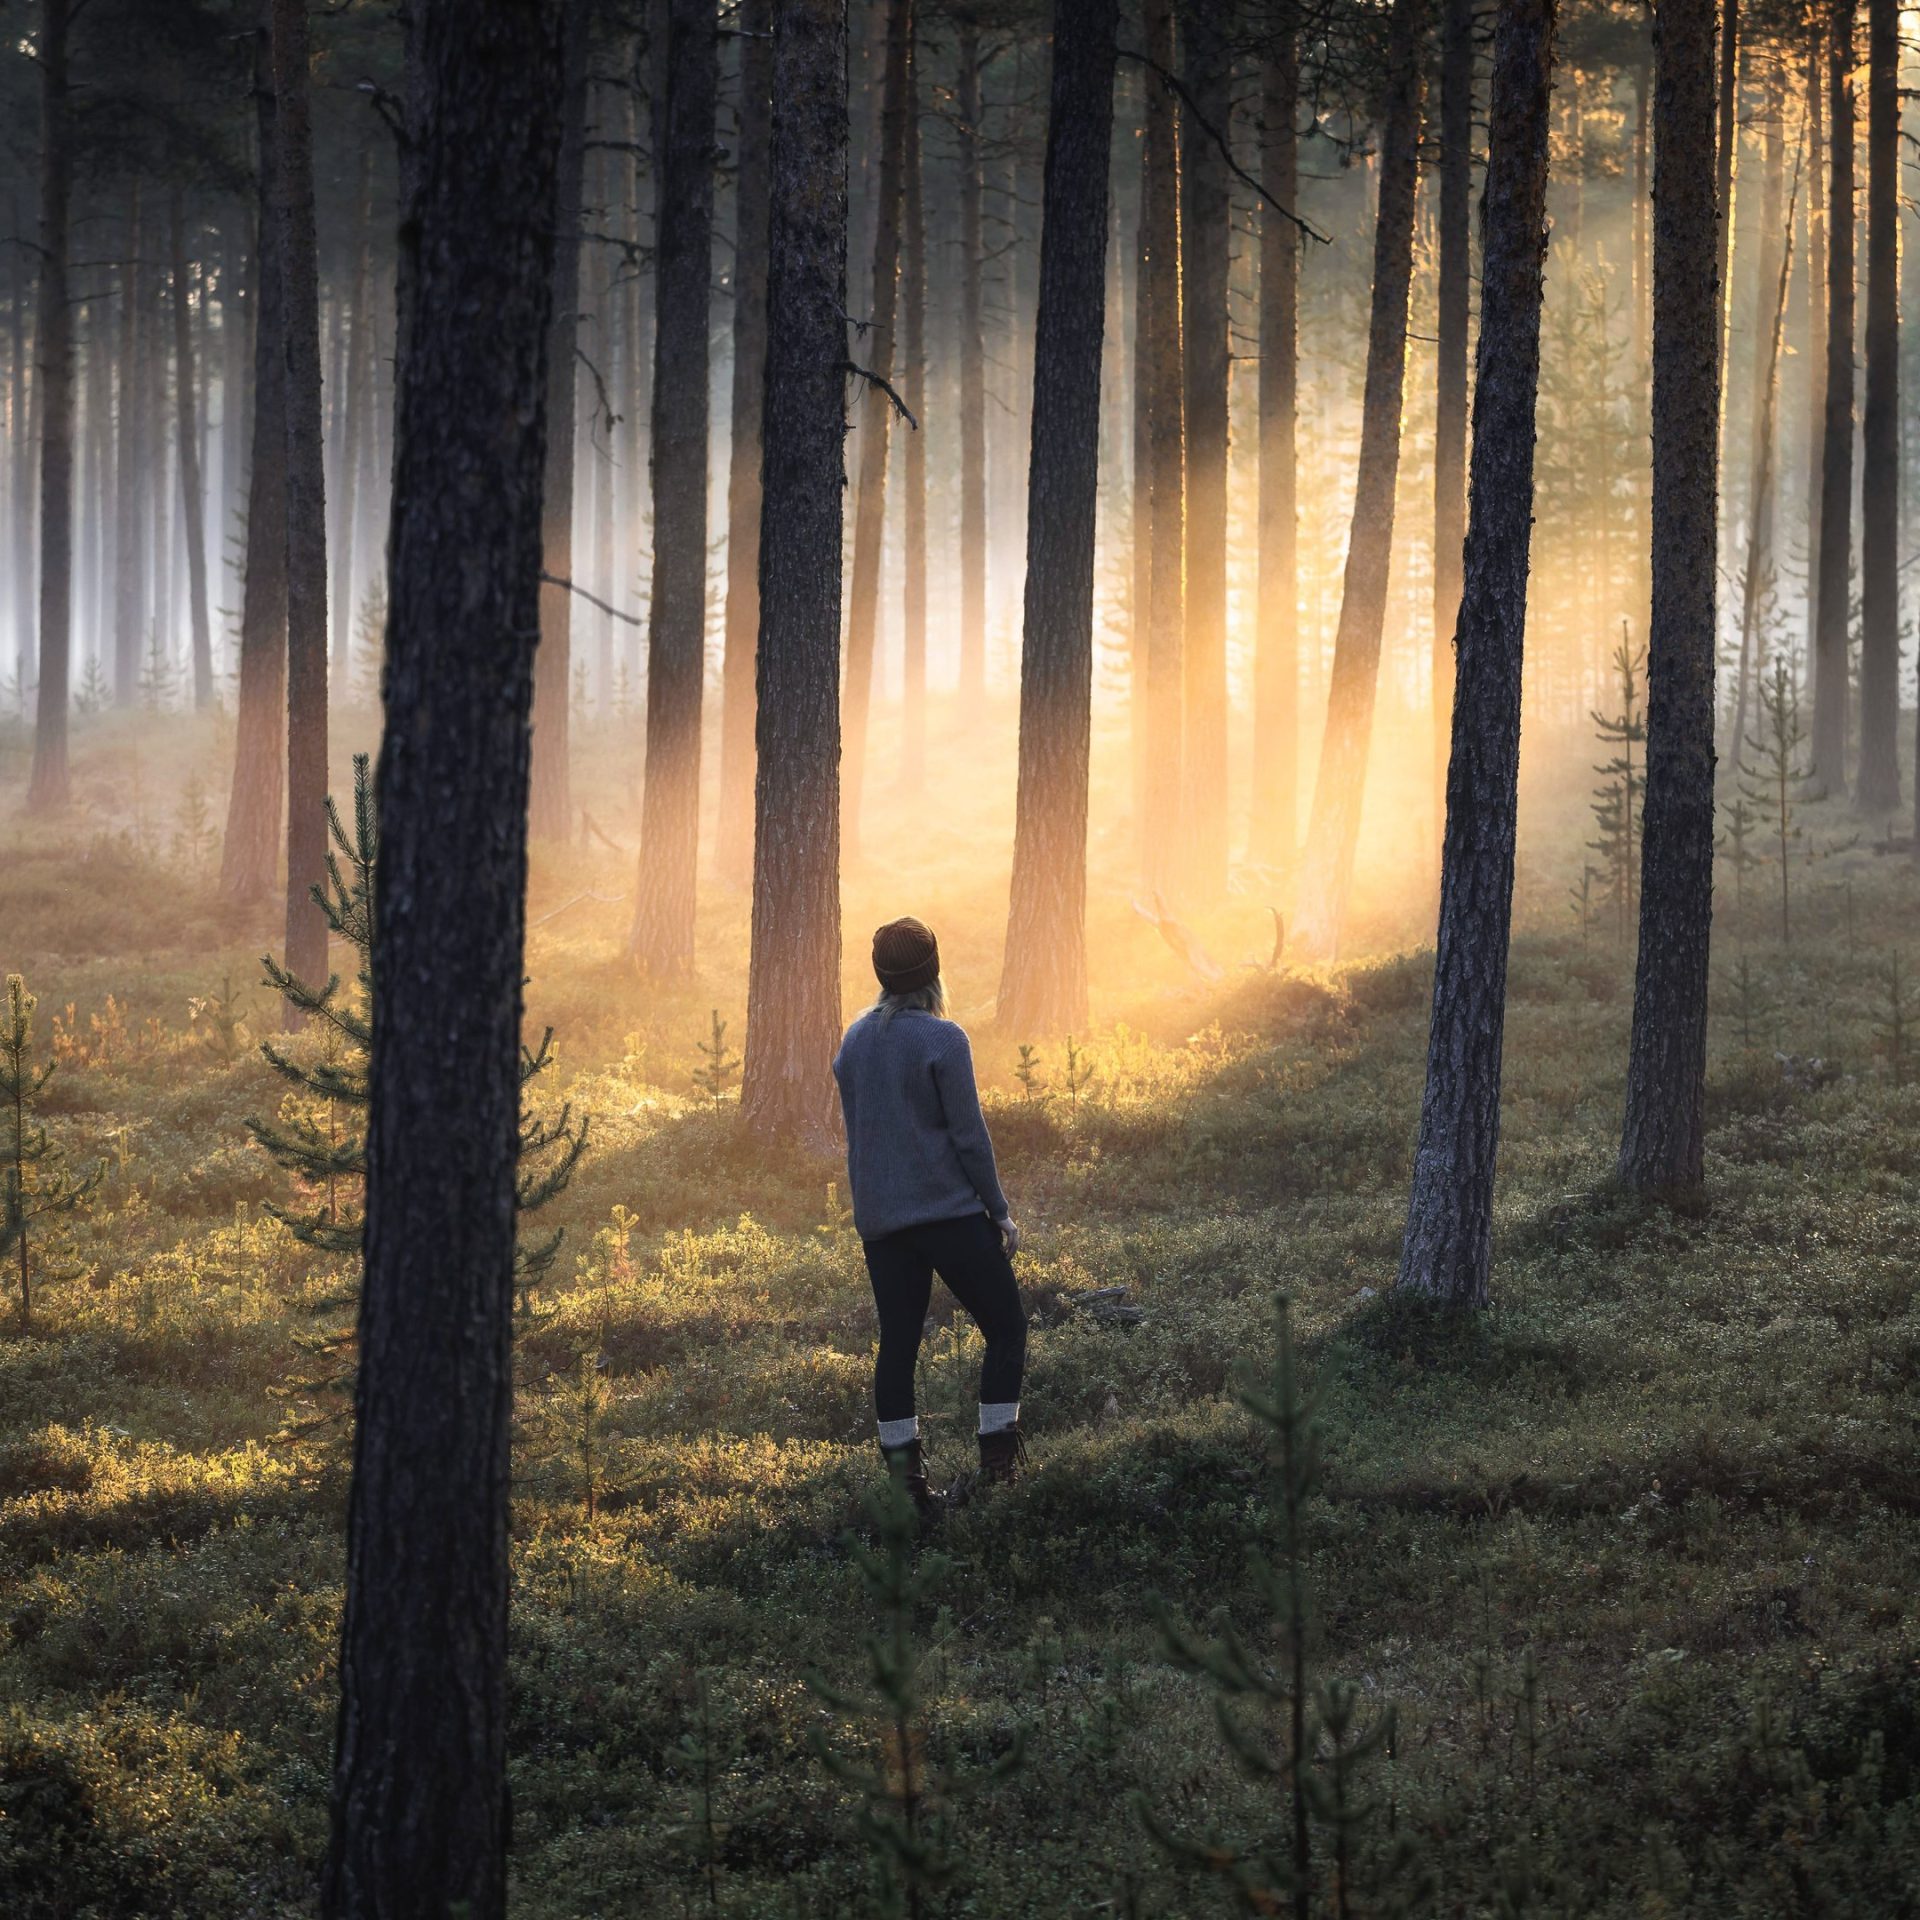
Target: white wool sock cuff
[(998, 1416), (896, 1433)]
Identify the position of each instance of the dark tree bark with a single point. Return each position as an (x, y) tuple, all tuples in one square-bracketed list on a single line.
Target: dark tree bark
[(1164, 525), (1450, 388), (1879, 788), (25, 618), (793, 987), (1816, 322), (873, 412), (1726, 80), (1276, 772), (306, 935), (420, 1779), (355, 402), (1139, 509), (1448, 1242), (47, 786), (743, 481), (973, 382), (130, 606), (1830, 678), (662, 937), (1661, 1144), (1205, 228), (552, 815), (913, 462), (192, 497), (1334, 827), (250, 853), (1043, 983)]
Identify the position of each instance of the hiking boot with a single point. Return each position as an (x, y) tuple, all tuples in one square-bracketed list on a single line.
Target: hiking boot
[(909, 1463), (1003, 1457)]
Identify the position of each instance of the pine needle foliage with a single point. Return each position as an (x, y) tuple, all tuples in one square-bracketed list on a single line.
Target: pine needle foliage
[(35, 1184), (1616, 800), (320, 1136), (716, 1077), (1317, 1747), (1773, 766)]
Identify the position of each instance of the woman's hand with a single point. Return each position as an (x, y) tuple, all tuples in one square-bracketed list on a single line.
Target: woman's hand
[(1009, 1235)]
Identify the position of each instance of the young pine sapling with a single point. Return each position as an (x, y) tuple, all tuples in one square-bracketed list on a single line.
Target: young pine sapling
[(716, 1077)]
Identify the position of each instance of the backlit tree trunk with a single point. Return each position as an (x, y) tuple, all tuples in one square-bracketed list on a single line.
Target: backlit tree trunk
[(743, 482), (250, 852), (552, 804), (793, 988), (1661, 1145), (306, 934), (1204, 233), (973, 382), (1879, 789), (1333, 830), (1448, 1242), (47, 786), (420, 1817), (873, 414), (1043, 983), (130, 607), (1816, 147), (1830, 679), (662, 937), (192, 498), (913, 464), (355, 402)]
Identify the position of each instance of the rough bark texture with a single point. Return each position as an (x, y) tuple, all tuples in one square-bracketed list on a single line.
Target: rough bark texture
[(1726, 142), (1816, 355), (1661, 1143), (552, 804), (676, 636), (1333, 831), (47, 786), (1043, 983), (1450, 374), (743, 480), (420, 1780), (306, 926), (130, 541), (1448, 1241), (192, 495), (913, 463), (250, 852), (1830, 679), (25, 617), (1879, 788), (973, 382), (355, 403), (1205, 228), (1160, 512), (873, 412), (793, 986)]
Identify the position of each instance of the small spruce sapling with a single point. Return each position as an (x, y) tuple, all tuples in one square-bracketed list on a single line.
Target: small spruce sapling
[(1580, 899), (92, 695), (222, 1017), (1026, 1070), (1616, 799), (157, 677), (1773, 767), (35, 1184), (1896, 1024), (1080, 1078), (716, 1077), (1742, 822), (1750, 1004), (194, 834)]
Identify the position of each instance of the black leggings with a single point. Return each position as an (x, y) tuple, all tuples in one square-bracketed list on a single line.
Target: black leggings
[(968, 1255)]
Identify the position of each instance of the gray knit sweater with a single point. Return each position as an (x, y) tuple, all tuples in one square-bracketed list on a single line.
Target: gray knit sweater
[(917, 1142)]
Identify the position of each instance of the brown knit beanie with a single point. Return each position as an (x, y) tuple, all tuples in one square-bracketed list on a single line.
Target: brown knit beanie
[(906, 956)]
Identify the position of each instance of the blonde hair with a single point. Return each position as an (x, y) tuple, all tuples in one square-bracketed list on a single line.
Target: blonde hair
[(931, 998)]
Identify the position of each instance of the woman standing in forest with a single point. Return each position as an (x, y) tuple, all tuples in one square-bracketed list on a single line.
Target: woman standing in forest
[(927, 1200)]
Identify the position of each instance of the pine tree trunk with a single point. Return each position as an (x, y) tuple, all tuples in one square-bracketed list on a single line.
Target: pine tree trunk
[(973, 383), (1448, 1244), (1334, 827), (662, 937), (1879, 790), (25, 620), (130, 543), (1206, 214), (1661, 1149), (354, 402), (1139, 511), (157, 492), (47, 786), (1830, 676), (1642, 319), (1726, 80), (793, 989), (192, 497), (873, 414), (1043, 983), (306, 935), (1454, 274), (1816, 324), (913, 388), (608, 359), (1276, 772), (552, 805), (250, 852), (1162, 854), (743, 481), (420, 1816)]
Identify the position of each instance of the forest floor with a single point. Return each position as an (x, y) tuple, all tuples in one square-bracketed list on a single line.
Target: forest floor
[(1633, 1557)]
